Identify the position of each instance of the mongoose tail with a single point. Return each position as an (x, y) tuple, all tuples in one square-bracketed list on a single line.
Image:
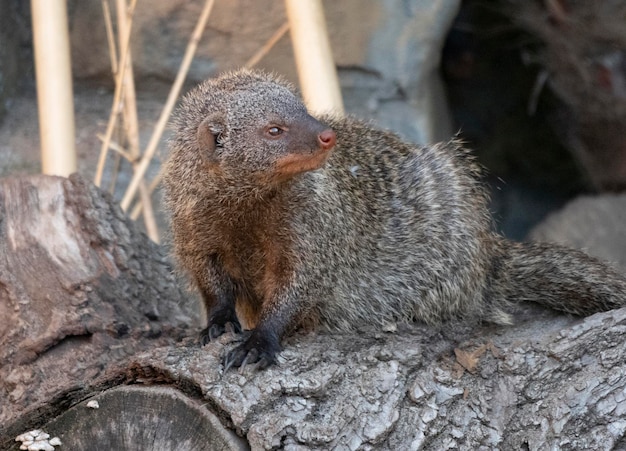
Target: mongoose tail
[(557, 277)]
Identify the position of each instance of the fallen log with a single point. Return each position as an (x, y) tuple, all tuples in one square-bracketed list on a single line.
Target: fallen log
[(96, 349)]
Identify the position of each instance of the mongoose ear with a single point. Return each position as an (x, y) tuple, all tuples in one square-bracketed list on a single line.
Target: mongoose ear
[(208, 135)]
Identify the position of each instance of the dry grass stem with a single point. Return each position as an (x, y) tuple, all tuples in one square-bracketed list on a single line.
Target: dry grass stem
[(117, 97), (131, 121), (110, 38), (271, 42), (153, 185), (115, 170), (113, 145), (169, 105)]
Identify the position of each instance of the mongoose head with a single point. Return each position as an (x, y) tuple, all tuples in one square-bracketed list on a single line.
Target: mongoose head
[(250, 126)]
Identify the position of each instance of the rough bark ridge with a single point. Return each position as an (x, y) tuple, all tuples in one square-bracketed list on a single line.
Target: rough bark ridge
[(551, 382), (80, 290), (84, 298)]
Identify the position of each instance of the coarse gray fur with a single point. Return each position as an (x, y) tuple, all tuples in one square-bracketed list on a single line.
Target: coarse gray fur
[(384, 231)]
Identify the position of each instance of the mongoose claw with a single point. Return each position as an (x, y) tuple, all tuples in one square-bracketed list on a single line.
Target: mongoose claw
[(214, 331), (232, 328), (205, 336), (257, 349)]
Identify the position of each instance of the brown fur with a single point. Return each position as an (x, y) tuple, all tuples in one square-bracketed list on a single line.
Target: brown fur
[(272, 220)]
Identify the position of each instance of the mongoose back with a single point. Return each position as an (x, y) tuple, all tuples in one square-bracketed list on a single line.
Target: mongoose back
[(283, 220)]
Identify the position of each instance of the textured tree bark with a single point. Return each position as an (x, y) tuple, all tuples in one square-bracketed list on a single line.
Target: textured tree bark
[(81, 290), (549, 382)]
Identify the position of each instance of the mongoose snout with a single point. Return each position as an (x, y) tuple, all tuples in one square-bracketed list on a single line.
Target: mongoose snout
[(327, 139), (297, 162)]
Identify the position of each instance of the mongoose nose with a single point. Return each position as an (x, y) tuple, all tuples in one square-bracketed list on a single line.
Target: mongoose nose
[(327, 139)]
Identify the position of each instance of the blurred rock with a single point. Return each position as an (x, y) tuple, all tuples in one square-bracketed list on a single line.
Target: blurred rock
[(14, 60), (595, 224), (582, 48)]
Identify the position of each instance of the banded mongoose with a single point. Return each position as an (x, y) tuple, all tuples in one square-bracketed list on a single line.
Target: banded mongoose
[(283, 220)]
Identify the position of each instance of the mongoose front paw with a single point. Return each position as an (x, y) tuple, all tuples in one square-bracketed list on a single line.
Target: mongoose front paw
[(213, 331), (258, 349)]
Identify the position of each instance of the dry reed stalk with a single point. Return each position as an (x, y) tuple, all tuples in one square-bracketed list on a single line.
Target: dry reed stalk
[(271, 42), (108, 25), (314, 58), (110, 39), (138, 208), (55, 99), (117, 98), (131, 122), (113, 145), (169, 105), (115, 170)]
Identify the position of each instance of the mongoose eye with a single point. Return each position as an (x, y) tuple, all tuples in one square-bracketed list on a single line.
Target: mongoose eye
[(274, 131)]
